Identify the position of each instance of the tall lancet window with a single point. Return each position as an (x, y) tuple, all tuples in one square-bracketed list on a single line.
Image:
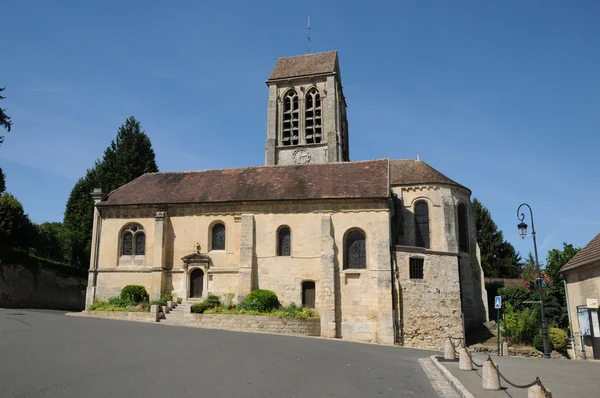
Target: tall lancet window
[(312, 125), (422, 224), (291, 119)]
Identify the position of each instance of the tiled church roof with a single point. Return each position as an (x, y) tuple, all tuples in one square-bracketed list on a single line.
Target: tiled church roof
[(304, 65), (587, 255), (416, 172), (347, 180)]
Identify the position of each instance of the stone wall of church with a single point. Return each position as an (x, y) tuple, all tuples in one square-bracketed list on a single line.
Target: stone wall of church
[(360, 301), (443, 203), (430, 307)]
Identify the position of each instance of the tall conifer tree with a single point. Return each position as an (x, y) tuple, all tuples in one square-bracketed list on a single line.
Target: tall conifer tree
[(498, 257), (128, 156)]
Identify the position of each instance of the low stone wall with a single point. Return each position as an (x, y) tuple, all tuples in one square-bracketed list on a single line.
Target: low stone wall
[(526, 352), (125, 316), (40, 288), (248, 323)]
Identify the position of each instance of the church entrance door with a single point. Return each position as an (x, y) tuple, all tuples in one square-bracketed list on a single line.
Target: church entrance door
[(196, 283)]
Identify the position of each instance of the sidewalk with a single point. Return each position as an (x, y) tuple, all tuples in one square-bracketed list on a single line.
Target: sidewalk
[(564, 378)]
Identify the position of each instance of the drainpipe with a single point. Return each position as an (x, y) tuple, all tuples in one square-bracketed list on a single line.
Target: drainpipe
[(571, 339)]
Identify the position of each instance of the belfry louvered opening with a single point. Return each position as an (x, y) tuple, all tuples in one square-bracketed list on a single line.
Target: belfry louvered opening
[(312, 121), (291, 119)]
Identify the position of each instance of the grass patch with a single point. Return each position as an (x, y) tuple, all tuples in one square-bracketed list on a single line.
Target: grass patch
[(291, 311), (118, 304)]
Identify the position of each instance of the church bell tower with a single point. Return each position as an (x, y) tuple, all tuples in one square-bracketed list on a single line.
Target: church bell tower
[(307, 111)]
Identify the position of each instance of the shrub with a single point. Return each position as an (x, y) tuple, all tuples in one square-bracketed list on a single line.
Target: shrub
[(213, 301), (137, 293), (228, 301), (120, 302), (260, 300), (558, 338), (200, 307), (520, 327), (210, 302)]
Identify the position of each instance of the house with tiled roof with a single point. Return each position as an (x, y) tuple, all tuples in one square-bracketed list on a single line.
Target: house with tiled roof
[(383, 250), (582, 277)]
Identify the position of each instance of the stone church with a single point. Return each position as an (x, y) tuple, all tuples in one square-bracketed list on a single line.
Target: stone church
[(384, 250)]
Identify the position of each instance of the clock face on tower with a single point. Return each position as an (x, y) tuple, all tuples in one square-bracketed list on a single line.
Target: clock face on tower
[(301, 156)]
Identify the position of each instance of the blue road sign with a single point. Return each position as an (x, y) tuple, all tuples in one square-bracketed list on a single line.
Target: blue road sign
[(498, 302)]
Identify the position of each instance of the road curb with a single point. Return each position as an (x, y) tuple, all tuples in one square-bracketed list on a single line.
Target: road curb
[(458, 386)]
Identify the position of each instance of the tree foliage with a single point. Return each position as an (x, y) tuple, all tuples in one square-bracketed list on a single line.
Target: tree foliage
[(4, 118), (127, 157), (49, 242), (498, 257), (2, 181), (16, 230)]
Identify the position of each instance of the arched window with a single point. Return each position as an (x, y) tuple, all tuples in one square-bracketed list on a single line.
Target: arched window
[(355, 254), (312, 117), (284, 241), (218, 237), (463, 228), (422, 224), (291, 119), (133, 241)]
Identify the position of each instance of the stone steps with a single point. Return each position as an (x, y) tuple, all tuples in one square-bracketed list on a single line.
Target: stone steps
[(176, 316)]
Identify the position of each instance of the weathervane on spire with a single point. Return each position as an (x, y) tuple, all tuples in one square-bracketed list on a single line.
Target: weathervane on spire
[(308, 36)]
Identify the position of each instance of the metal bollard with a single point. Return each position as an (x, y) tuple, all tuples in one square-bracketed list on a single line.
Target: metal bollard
[(464, 361), (536, 391), (505, 352), (449, 350), (490, 379)]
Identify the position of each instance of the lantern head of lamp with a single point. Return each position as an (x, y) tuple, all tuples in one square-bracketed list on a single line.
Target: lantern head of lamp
[(522, 229)]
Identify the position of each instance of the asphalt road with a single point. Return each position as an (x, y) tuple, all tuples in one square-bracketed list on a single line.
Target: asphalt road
[(47, 354)]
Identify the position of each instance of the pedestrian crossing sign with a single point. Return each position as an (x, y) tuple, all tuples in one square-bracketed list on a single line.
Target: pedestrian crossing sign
[(498, 302)]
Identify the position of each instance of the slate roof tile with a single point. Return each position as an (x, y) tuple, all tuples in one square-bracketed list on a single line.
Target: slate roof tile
[(305, 65)]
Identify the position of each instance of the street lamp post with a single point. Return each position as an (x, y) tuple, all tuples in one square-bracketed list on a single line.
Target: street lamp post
[(523, 232)]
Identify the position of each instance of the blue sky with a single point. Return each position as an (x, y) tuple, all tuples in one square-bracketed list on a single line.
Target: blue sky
[(503, 97)]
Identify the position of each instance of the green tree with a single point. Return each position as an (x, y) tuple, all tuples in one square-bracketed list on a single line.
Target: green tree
[(4, 118), (2, 181), (16, 230), (6, 123), (555, 294), (129, 156), (49, 241), (498, 257)]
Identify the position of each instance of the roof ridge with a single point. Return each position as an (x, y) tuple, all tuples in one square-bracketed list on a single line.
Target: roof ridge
[(583, 253), (127, 183), (268, 166), (309, 54)]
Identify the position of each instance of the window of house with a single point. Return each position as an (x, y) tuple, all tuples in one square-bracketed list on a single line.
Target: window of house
[(291, 119), (463, 228), (133, 241), (312, 117), (284, 241), (218, 237), (422, 224), (355, 255), (416, 268)]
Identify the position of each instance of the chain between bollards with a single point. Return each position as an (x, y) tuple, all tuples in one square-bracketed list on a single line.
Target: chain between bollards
[(537, 381)]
